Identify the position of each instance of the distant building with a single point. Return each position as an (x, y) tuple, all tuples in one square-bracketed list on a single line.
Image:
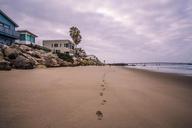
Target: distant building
[(60, 46), (7, 29), (26, 37)]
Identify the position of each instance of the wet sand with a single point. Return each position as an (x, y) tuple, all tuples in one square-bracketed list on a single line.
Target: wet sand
[(94, 97)]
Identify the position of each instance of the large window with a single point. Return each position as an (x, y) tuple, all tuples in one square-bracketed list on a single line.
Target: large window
[(55, 45), (66, 45), (6, 26), (28, 38), (57, 51), (32, 39), (22, 37)]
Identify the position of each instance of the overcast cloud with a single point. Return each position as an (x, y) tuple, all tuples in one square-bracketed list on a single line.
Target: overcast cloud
[(114, 30)]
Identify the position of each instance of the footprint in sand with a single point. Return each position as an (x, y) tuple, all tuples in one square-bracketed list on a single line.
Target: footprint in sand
[(101, 94), (102, 85), (99, 115), (103, 102), (103, 89)]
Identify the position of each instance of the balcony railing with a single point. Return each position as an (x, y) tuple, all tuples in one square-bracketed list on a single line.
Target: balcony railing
[(9, 32)]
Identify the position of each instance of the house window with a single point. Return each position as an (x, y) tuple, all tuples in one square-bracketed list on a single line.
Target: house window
[(57, 51), (6, 26), (33, 39), (66, 45), (22, 37), (55, 45), (72, 46), (28, 38)]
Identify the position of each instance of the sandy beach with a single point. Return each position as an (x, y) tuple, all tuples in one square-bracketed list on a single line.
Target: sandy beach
[(94, 97)]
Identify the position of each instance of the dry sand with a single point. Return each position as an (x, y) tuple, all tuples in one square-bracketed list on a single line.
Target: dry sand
[(94, 97)]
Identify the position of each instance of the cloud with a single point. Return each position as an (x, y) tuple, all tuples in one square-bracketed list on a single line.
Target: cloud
[(117, 31)]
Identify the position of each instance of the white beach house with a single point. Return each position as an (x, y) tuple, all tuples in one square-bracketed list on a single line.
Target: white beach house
[(60, 46)]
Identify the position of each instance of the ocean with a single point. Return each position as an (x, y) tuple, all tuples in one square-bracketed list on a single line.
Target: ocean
[(184, 69)]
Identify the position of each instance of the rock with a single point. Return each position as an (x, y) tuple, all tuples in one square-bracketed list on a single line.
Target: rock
[(11, 53), (35, 54), (5, 65), (30, 58), (1, 55), (24, 48), (76, 63), (51, 62), (60, 61), (22, 62), (41, 66), (65, 63), (2, 46), (40, 61)]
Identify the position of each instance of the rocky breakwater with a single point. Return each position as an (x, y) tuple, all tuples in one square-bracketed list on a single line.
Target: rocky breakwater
[(22, 56)]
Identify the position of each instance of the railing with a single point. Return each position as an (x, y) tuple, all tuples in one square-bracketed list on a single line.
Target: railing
[(9, 32)]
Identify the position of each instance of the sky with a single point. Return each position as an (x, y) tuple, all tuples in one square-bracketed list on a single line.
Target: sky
[(113, 30)]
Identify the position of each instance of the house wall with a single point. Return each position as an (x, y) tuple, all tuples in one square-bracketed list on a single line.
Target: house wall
[(26, 38), (7, 35), (6, 40), (4, 20), (23, 42), (61, 46)]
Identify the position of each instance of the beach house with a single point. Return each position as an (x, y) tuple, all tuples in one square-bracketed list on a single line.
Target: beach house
[(60, 46), (26, 37), (8, 34)]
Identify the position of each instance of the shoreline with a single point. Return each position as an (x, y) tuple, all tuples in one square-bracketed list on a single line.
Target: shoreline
[(170, 73), (166, 75)]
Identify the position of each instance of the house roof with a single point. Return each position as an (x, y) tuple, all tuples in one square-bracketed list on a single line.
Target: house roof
[(1, 12), (20, 31), (46, 41)]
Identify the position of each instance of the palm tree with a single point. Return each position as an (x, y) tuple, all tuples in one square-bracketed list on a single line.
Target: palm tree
[(75, 35)]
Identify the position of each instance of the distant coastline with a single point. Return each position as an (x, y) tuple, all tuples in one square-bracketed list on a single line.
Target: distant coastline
[(163, 67)]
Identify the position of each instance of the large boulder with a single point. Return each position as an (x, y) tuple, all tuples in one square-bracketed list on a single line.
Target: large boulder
[(51, 62), (11, 53), (66, 64), (30, 58), (76, 63), (40, 61), (25, 48), (4, 65), (22, 62), (1, 55), (35, 54)]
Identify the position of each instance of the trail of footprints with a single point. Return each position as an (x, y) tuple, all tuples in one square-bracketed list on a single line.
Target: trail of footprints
[(103, 102)]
